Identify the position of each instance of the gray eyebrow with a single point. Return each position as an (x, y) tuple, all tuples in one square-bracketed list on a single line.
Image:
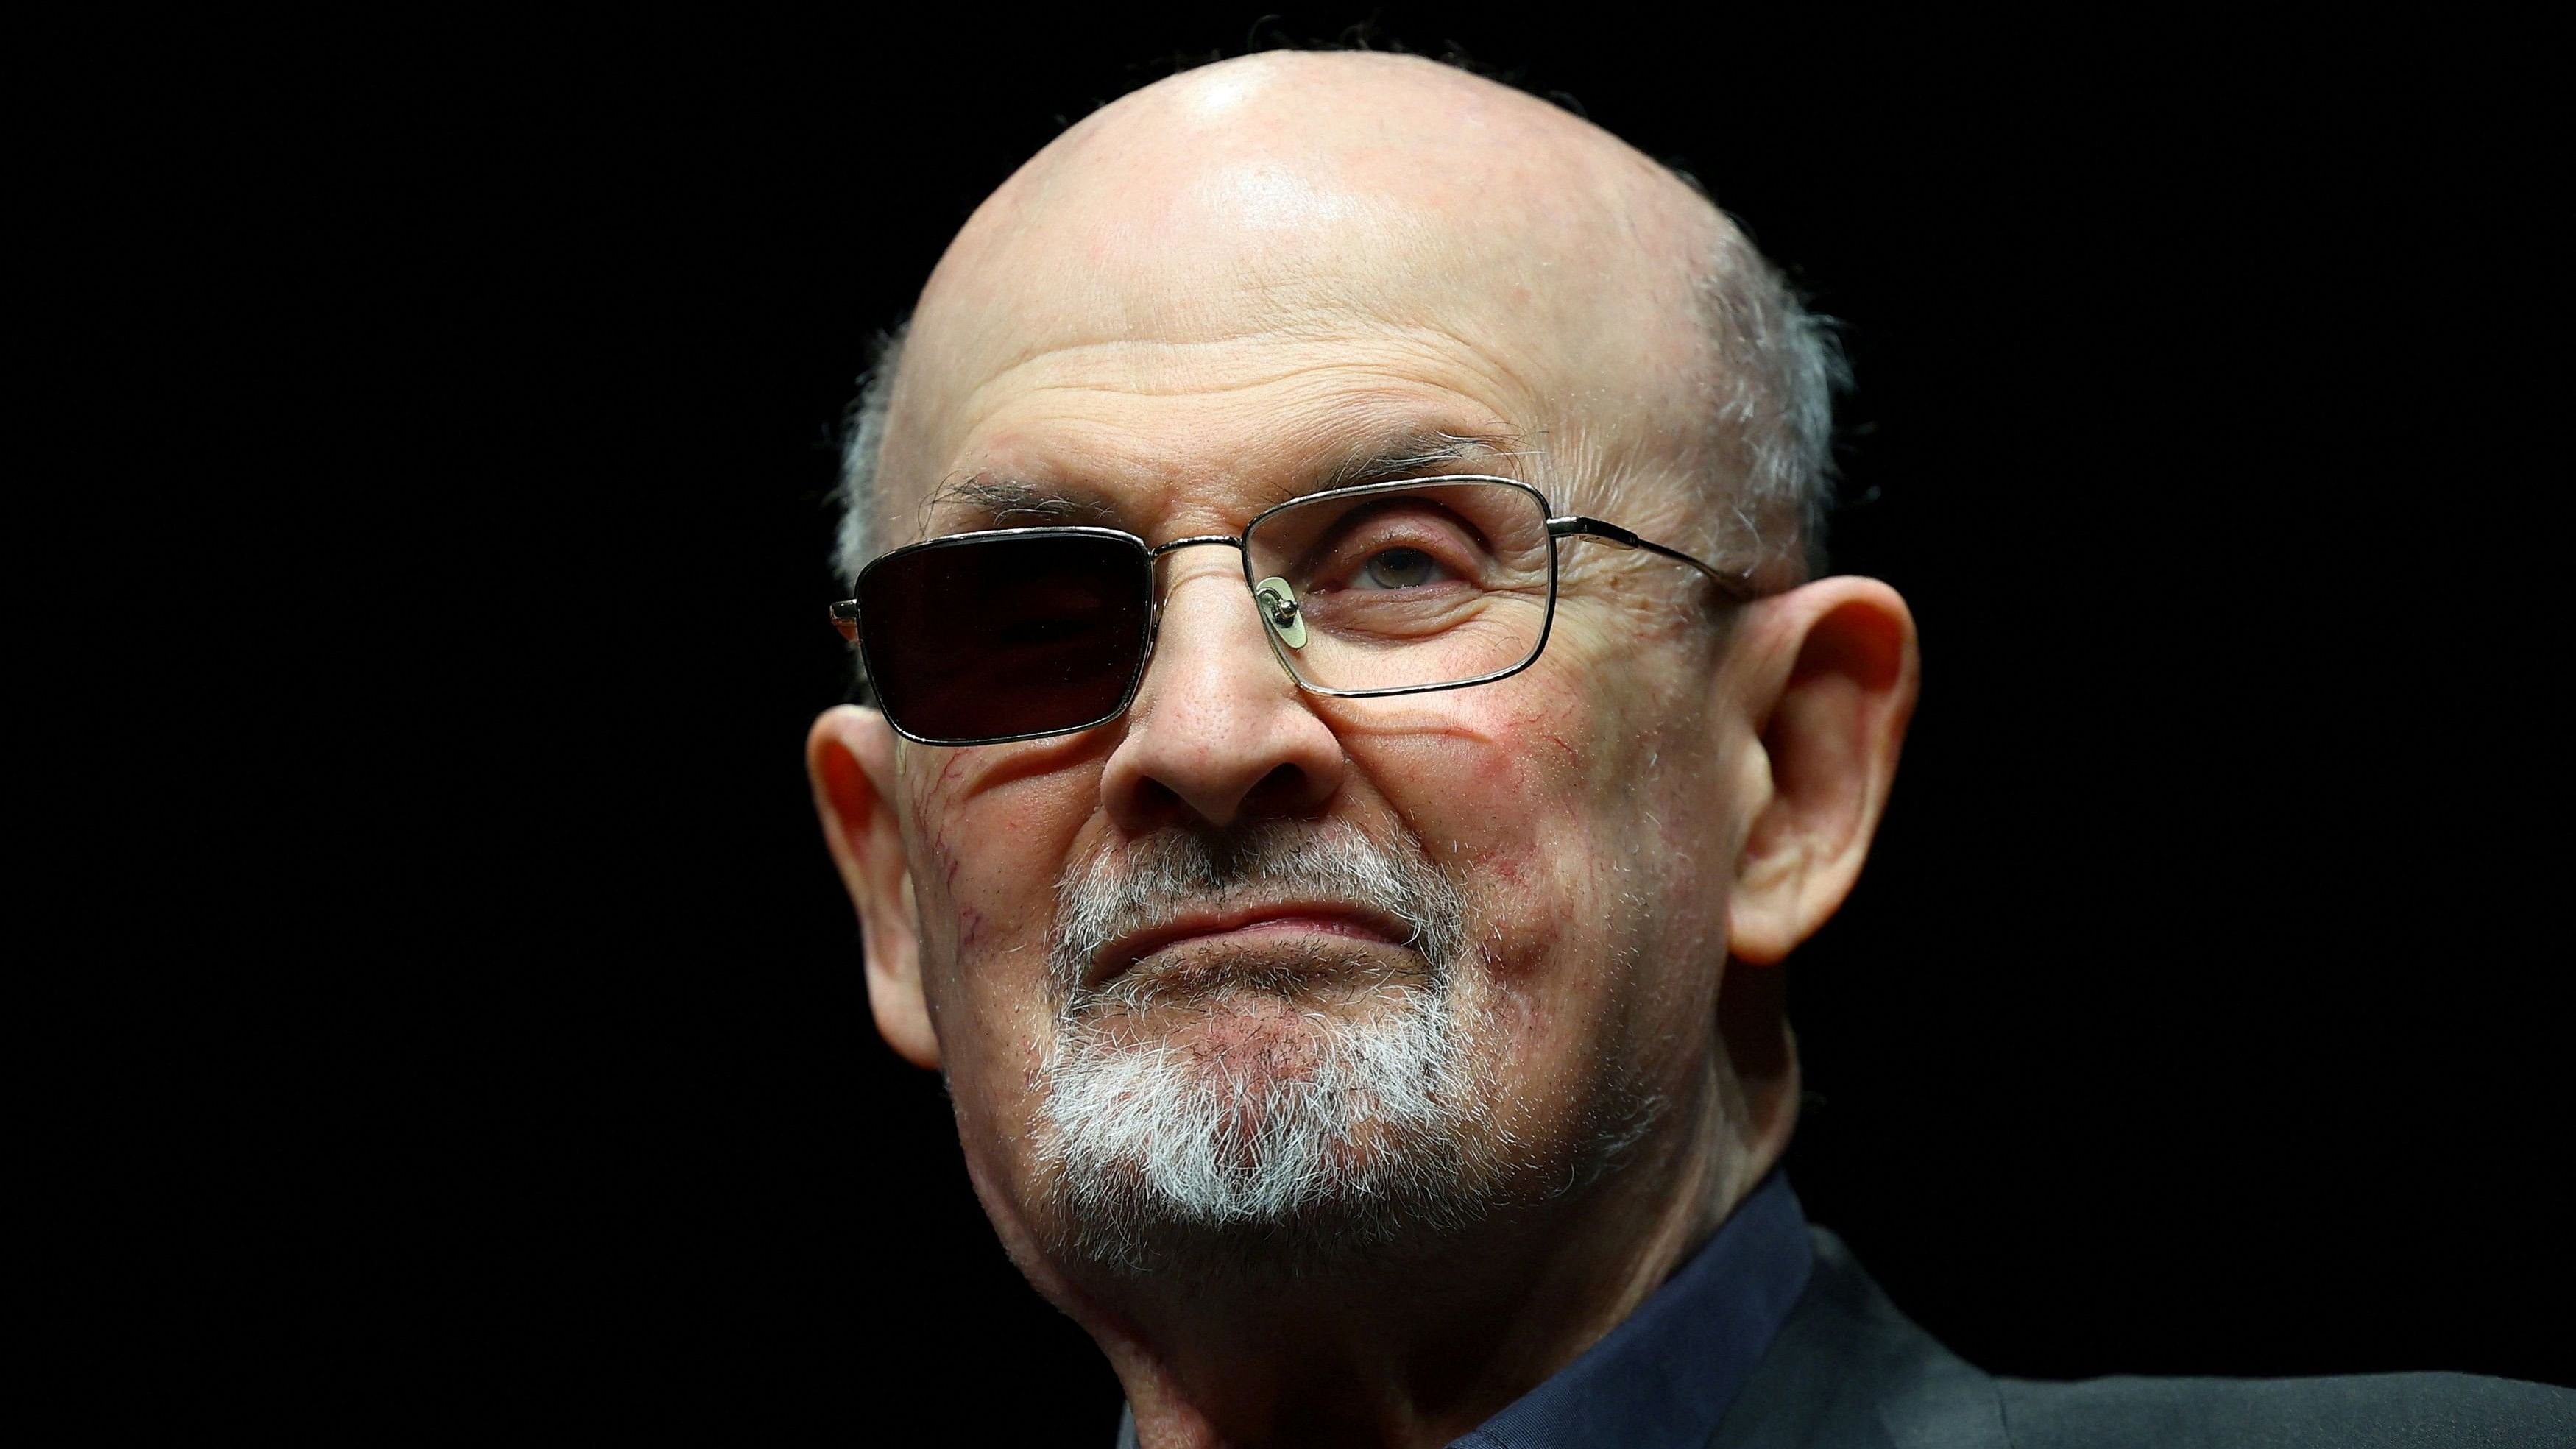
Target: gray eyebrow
[(1014, 502), (1413, 452), (1017, 502)]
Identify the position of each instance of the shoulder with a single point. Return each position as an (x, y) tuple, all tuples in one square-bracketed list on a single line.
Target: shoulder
[(1848, 1368), (2400, 1411)]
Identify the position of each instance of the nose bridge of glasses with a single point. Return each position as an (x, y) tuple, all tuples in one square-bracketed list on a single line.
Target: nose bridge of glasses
[(1167, 596), (1173, 580), (1196, 540), (1158, 552)]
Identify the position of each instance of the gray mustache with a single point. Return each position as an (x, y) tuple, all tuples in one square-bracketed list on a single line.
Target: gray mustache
[(1145, 884)]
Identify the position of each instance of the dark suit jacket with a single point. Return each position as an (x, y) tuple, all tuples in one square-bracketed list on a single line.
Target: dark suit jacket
[(1848, 1371)]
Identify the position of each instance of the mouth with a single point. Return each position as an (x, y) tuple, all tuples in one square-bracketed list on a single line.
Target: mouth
[(1266, 925)]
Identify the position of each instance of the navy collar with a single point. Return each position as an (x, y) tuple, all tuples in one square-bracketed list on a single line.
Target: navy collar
[(1667, 1374)]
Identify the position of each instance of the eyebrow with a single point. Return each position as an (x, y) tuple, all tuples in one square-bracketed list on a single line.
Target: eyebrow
[(1414, 451), (1018, 502), (1410, 452)]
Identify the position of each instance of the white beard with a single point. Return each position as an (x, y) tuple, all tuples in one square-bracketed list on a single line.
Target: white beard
[(1345, 1125)]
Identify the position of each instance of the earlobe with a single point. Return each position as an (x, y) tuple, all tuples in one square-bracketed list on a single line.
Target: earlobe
[(849, 755), (1831, 684)]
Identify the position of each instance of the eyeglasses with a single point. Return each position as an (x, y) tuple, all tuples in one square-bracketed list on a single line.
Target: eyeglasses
[(1382, 589)]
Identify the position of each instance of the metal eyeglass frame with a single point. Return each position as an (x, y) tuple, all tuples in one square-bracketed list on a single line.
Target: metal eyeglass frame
[(845, 614)]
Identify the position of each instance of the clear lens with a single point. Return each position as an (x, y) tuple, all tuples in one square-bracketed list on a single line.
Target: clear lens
[(1405, 586)]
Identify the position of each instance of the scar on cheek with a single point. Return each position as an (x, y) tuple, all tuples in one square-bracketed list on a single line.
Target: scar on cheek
[(944, 858), (926, 795), (948, 772)]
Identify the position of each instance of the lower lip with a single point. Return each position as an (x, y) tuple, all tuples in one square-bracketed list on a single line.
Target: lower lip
[(1277, 926), (1284, 925)]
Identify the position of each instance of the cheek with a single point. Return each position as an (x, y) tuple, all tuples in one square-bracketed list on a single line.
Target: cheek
[(1507, 793), (1577, 820), (985, 858), (985, 851)]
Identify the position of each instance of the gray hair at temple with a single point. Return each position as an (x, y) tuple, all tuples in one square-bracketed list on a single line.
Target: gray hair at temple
[(1770, 412)]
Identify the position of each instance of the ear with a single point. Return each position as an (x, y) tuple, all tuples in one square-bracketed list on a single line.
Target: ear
[(850, 755), (1829, 677)]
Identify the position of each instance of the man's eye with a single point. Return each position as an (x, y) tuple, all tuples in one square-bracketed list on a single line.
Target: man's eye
[(1400, 568)]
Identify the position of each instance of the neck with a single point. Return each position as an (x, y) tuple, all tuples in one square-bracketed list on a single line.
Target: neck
[(1420, 1346)]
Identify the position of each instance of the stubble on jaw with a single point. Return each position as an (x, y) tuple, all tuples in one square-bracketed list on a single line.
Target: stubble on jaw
[(1279, 1110)]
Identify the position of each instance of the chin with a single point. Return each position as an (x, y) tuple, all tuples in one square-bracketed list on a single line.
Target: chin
[(1249, 1130)]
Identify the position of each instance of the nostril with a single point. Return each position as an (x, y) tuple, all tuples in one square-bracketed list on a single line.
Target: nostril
[(1285, 790), (1151, 799)]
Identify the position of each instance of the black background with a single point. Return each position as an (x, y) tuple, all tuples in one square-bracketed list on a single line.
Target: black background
[(2197, 1013)]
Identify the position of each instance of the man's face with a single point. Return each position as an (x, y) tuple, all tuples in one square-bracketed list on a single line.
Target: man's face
[(1446, 950)]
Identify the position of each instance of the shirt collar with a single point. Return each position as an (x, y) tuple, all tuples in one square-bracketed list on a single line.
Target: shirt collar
[(1667, 1374)]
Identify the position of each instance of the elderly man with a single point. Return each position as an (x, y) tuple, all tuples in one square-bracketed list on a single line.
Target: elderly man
[(1359, 732)]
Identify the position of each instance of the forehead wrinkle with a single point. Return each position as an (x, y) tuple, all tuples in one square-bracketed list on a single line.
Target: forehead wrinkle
[(1304, 426), (1132, 337), (1076, 339), (1163, 366), (1274, 403)]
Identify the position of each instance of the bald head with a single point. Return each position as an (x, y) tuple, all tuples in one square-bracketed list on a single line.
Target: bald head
[(1292, 253)]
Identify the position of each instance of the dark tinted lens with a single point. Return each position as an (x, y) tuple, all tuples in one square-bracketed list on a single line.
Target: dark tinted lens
[(1013, 635)]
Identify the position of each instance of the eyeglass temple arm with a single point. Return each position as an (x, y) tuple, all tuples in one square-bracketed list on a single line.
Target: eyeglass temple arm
[(1733, 585), (845, 617)]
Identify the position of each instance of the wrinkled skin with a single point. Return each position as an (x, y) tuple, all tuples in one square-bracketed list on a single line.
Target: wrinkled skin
[(1200, 300)]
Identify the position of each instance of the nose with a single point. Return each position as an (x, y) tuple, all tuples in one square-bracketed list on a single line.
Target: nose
[(1218, 732)]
